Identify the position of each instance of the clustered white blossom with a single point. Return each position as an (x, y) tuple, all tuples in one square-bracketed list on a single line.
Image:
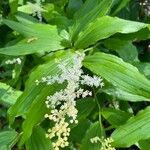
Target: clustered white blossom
[(13, 61), (36, 8), (105, 143), (63, 102)]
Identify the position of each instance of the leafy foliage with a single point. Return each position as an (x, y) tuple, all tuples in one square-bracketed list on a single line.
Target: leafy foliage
[(113, 35)]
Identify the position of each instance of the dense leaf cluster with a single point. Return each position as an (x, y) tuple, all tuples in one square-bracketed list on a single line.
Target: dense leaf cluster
[(114, 35)]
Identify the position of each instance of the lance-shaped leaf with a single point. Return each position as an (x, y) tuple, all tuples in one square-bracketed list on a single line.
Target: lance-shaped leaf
[(137, 128), (123, 95), (120, 5), (93, 131), (105, 27), (8, 139), (115, 117), (38, 38), (89, 12), (8, 96), (126, 50), (121, 74), (38, 141)]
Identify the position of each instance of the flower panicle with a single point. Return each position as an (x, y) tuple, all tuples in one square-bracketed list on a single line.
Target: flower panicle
[(36, 8), (105, 143), (62, 103)]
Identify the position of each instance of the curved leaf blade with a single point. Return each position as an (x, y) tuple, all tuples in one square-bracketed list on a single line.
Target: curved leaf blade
[(121, 74), (105, 27), (8, 139), (88, 13), (38, 38), (92, 132), (38, 141), (8, 94), (137, 128)]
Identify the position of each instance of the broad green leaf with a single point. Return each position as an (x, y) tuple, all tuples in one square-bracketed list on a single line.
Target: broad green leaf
[(25, 18), (32, 91), (38, 140), (38, 38), (144, 68), (137, 128), (115, 117), (84, 107), (122, 75), (92, 132), (142, 34), (105, 27), (144, 145), (8, 95), (73, 6), (126, 50), (120, 5), (8, 139), (88, 13), (4, 147), (13, 5), (78, 132), (123, 95)]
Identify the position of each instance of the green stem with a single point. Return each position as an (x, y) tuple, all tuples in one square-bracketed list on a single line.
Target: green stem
[(100, 114)]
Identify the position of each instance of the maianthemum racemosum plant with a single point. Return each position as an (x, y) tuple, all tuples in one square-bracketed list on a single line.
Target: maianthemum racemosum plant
[(63, 102), (64, 121)]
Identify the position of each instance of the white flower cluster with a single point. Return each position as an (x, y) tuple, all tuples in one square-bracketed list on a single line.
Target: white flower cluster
[(13, 61), (63, 103), (105, 143), (36, 8)]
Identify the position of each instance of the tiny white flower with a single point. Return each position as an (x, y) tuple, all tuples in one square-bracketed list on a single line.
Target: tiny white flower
[(13, 61)]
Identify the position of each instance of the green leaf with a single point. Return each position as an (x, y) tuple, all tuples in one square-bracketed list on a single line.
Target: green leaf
[(144, 68), (78, 132), (137, 128), (126, 50), (8, 139), (38, 38), (85, 107), (32, 91), (105, 27), (88, 13), (13, 5), (115, 117), (38, 140), (38, 110), (121, 74), (73, 6), (144, 145), (25, 18), (120, 5), (123, 95), (92, 132), (8, 96)]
